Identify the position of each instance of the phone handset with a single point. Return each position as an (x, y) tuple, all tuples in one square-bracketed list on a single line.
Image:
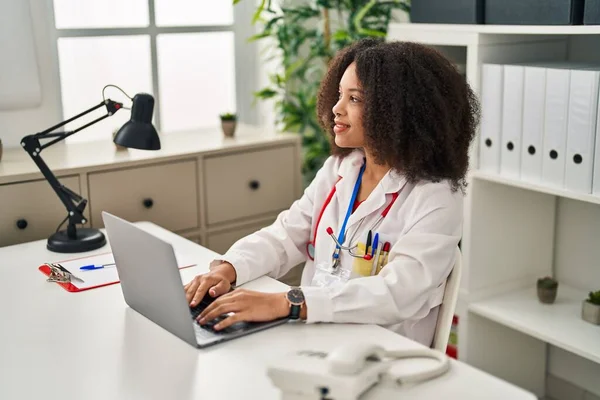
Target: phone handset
[(352, 358), (347, 371)]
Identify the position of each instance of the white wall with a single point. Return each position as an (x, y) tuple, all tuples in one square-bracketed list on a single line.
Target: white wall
[(18, 123)]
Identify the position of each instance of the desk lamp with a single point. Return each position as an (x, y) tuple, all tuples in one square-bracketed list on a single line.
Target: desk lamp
[(138, 133)]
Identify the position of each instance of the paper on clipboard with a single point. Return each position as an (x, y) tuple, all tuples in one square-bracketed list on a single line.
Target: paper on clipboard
[(89, 279)]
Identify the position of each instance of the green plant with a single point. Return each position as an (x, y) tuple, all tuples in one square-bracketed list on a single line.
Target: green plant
[(228, 117), (547, 283), (304, 36), (594, 298)]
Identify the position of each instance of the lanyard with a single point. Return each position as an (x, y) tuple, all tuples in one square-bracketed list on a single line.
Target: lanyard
[(342, 234), (310, 246)]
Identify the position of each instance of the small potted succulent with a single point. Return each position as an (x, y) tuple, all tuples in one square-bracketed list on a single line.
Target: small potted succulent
[(590, 310), (228, 123), (117, 146), (546, 289)]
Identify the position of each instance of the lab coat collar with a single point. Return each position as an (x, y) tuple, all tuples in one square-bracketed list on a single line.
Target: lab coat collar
[(350, 165), (392, 182)]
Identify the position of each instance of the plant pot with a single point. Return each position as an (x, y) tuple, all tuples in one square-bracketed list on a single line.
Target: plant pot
[(0, 149), (546, 296), (228, 128), (119, 147), (590, 312)]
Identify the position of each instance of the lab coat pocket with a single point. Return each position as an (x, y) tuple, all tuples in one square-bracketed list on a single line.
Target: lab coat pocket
[(361, 266), (387, 240)]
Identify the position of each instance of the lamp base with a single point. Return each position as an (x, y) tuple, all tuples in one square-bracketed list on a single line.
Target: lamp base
[(88, 239)]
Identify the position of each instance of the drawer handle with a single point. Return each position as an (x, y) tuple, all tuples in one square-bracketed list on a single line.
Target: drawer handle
[(254, 185), (148, 203), (22, 224)]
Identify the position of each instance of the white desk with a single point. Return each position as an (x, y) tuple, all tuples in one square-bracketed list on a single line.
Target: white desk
[(57, 345)]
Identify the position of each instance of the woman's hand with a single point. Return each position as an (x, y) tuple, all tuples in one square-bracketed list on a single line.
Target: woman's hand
[(216, 282), (247, 306)]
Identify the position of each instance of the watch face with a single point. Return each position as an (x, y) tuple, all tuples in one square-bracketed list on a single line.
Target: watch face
[(295, 296)]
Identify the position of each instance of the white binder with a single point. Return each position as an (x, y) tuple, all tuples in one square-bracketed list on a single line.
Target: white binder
[(512, 121), (596, 177), (581, 130), (491, 117), (534, 101), (555, 126)]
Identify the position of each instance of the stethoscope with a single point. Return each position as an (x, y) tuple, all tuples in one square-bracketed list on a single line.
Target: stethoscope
[(310, 246)]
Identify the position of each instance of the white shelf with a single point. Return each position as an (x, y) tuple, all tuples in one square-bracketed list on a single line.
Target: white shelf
[(559, 324), (502, 29), (490, 177)]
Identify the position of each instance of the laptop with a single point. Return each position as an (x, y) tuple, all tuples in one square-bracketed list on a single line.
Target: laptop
[(152, 286)]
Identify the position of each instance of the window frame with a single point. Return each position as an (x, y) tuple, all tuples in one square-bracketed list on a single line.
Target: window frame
[(242, 49)]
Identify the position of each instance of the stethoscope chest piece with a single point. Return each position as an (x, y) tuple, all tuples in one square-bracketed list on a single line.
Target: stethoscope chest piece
[(310, 249)]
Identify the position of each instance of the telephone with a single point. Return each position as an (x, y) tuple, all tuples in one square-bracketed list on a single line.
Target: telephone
[(346, 372)]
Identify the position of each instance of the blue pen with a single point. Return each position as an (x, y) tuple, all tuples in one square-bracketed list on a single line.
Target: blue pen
[(94, 266), (375, 244)]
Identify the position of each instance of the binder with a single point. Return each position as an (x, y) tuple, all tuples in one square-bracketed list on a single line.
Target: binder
[(70, 277), (534, 101), (512, 121), (491, 117), (555, 122), (596, 174), (581, 130)]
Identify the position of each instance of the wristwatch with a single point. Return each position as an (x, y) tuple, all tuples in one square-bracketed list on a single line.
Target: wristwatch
[(296, 299)]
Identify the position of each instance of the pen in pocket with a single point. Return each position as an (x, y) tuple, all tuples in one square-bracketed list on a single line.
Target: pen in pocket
[(376, 261), (384, 256)]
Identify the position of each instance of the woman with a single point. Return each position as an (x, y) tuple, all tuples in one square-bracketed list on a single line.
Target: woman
[(401, 119)]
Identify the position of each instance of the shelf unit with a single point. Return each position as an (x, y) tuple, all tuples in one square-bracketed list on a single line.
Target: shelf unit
[(567, 194), (558, 324), (514, 232)]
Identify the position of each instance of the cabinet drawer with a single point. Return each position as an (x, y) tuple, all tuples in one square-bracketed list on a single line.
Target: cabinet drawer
[(35, 206), (163, 194), (249, 184), (220, 242)]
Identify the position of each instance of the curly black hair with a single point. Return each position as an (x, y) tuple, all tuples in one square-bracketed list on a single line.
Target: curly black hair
[(420, 114)]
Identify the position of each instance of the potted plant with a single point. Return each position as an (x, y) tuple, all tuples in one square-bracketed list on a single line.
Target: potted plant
[(546, 289), (590, 310), (303, 36), (228, 123)]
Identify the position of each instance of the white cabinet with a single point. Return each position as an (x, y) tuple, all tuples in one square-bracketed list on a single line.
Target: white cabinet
[(210, 189)]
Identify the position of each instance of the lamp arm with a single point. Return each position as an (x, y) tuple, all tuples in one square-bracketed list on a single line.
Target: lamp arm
[(74, 203)]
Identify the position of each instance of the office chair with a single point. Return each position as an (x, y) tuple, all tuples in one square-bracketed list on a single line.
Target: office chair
[(448, 306)]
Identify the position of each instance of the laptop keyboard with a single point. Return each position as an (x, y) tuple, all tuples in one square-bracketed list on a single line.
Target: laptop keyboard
[(209, 326)]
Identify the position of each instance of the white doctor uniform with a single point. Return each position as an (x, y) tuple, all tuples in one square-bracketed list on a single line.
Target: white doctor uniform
[(423, 226)]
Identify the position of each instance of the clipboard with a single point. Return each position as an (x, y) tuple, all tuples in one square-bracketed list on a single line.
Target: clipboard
[(68, 275)]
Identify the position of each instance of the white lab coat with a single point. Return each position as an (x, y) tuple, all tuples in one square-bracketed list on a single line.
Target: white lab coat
[(424, 227)]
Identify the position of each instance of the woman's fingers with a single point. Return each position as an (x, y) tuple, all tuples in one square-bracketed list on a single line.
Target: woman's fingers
[(214, 310), (191, 287), (232, 319), (205, 284), (219, 289)]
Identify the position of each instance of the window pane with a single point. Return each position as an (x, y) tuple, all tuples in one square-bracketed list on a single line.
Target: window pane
[(87, 65), (100, 14), (196, 78), (193, 12)]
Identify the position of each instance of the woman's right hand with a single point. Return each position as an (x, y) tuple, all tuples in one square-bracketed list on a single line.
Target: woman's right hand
[(216, 282)]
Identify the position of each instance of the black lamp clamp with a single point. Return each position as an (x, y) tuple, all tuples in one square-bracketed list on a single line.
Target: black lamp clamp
[(138, 132)]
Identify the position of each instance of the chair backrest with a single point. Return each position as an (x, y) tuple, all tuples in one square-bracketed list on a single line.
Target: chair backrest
[(448, 306)]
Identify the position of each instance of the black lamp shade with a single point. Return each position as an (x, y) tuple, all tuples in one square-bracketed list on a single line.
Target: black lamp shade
[(138, 132)]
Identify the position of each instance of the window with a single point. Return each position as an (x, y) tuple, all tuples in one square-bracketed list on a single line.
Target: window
[(180, 51)]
